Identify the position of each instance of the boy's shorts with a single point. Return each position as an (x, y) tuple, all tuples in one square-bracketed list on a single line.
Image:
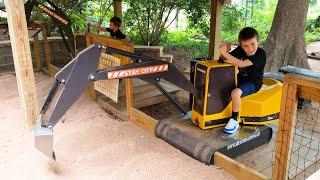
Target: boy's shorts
[(247, 88)]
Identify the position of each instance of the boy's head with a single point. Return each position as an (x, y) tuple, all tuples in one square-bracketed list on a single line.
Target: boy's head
[(115, 23), (249, 40)]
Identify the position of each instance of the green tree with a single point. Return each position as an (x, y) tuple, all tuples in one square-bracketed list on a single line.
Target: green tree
[(80, 12), (238, 14), (198, 13), (148, 20), (286, 41)]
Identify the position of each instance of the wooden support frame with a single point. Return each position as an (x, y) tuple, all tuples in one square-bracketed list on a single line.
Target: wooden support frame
[(135, 115), (295, 86), (285, 130), (215, 28), (37, 53), (36, 44), (141, 119), (51, 70), (92, 38), (47, 52), (22, 60), (238, 170)]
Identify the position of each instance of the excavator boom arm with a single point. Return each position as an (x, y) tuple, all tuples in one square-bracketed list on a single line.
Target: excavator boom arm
[(82, 70)]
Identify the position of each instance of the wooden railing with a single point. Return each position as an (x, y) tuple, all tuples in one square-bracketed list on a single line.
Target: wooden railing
[(295, 87)]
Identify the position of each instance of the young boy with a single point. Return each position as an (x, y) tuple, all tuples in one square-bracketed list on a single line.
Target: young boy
[(114, 29), (250, 60)]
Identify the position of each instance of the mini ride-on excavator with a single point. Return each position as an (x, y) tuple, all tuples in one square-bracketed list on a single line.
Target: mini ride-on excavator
[(211, 108)]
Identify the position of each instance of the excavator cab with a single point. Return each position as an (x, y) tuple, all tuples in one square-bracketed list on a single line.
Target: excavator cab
[(212, 106)]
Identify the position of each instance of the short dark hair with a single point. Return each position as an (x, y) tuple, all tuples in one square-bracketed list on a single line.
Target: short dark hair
[(115, 20), (248, 33)]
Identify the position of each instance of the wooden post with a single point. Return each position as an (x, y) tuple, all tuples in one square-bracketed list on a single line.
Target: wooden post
[(46, 48), (22, 59), (90, 89), (117, 6), (285, 131), (129, 91), (215, 28), (37, 53), (238, 170)]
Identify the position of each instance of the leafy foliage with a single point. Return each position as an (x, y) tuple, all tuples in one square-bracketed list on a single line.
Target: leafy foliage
[(80, 12), (313, 30), (187, 42), (148, 20), (241, 13), (198, 13)]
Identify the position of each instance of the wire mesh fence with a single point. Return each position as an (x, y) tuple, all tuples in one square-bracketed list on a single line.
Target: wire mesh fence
[(294, 150)]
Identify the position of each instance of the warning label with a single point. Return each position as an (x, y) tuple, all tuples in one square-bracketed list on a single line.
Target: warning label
[(137, 71)]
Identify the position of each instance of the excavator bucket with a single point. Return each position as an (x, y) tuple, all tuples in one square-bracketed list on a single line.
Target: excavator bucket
[(75, 77), (44, 141)]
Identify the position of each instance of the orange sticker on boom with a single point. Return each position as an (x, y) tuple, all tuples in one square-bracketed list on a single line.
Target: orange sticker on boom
[(137, 71), (52, 14)]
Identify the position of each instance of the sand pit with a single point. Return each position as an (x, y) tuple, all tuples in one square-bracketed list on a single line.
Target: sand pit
[(90, 144)]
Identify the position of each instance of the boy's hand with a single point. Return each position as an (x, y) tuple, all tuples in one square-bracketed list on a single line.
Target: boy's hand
[(221, 59), (227, 61), (225, 48)]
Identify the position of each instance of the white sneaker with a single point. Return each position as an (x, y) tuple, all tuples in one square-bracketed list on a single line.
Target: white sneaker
[(232, 126)]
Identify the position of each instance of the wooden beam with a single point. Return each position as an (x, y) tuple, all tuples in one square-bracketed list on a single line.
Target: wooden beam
[(90, 89), (92, 38), (141, 119), (129, 96), (286, 127), (37, 53), (238, 170), (129, 90), (22, 60), (215, 28), (301, 80), (46, 48), (117, 6), (309, 93), (53, 70)]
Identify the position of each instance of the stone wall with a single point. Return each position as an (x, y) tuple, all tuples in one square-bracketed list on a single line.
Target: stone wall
[(59, 54)]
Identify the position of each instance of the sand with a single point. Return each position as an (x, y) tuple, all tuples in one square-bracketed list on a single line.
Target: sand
[(314, 47), (90, 144)]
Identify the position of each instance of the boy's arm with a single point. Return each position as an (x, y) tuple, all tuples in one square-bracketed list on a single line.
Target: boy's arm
[(127, 39), (98, 28), (233, 60)]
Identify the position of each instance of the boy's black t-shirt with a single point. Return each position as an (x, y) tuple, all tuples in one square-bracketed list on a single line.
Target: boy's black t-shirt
[(118, 34), (253, 73)]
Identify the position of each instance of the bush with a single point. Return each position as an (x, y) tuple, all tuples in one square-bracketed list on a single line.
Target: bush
[(189, 43), (313, 35)]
